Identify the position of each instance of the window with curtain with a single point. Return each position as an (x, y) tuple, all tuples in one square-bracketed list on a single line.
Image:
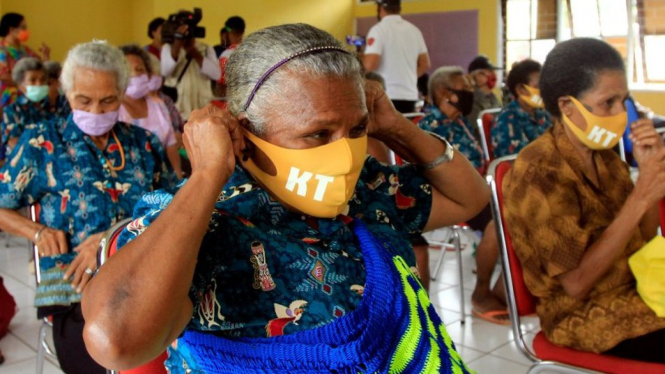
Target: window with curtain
[(532, 28)]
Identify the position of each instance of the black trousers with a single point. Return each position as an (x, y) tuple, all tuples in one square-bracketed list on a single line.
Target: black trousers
[(647, 347), (404, 106), (68, 340)]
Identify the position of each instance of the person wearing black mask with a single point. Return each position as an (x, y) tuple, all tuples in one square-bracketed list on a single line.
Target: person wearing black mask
[(483, 76), (452, 99)]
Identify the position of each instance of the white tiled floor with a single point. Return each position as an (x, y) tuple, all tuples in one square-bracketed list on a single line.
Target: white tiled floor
[(485, 347)]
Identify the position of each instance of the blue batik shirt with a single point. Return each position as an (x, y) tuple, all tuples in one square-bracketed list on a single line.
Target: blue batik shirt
[(17, 116), (458, 133), (264, 271), (514, 128), (56, 165)]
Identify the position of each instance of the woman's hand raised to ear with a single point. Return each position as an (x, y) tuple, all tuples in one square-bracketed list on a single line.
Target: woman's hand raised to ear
[(212, 138), (383, 116), (646, 141)]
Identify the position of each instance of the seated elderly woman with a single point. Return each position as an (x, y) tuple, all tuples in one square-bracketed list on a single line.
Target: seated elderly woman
[(287, 250), (142, 106), (452, 99), (86, 172), (57, 99), (33, 106), (524, 119), (575, 216)]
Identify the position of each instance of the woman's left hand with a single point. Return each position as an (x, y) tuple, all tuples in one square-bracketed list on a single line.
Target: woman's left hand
[(383, 116), (85, 263), (646, 141), (45, 51)]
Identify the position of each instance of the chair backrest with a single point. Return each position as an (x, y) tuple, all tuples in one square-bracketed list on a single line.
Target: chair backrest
[(520, 300), (107, 246), (485, 120), (33, 211)]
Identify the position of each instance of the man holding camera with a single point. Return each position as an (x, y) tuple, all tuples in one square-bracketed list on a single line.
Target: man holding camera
[(188, 65)]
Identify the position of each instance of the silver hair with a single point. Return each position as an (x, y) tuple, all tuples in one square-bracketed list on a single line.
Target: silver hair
[(96, 55), (24, 65), (442, 78), (265, 48)]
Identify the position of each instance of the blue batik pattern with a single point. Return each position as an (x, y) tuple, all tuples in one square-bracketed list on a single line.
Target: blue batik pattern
[(514, 128), (24, 113)]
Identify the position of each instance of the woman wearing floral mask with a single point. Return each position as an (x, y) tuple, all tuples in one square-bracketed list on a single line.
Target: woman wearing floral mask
[(142, 106), (15, 33), (525, 118), (86, 172), (287, 250), (575, 216), (33, 106)]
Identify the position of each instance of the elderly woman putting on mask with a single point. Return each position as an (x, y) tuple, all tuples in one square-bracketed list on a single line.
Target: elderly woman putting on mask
[(86, 172), (287, 249)]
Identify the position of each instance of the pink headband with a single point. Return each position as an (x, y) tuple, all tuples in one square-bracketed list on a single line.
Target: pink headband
[(284, 61)]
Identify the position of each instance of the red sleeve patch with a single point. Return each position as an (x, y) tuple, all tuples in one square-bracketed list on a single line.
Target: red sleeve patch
[(370, 41)]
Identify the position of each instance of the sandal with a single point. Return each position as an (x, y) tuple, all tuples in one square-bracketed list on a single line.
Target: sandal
[(491, 316)]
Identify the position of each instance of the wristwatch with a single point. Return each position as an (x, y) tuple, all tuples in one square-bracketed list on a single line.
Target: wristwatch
[(445, 158)]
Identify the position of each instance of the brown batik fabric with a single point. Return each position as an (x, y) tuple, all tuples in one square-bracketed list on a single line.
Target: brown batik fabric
[(555, 212)]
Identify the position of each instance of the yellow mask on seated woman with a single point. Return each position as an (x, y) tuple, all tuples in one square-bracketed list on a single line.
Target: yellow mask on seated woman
[(601, 132)]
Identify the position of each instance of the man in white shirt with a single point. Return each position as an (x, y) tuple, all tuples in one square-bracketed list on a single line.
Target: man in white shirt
[(199, 63), (396, 50)]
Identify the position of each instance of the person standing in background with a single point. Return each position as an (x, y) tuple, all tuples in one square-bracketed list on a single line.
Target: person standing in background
[(188, 66), (484, 78), (396, 50), (235, 29), (155, 34), (14, 32), (223, 42)]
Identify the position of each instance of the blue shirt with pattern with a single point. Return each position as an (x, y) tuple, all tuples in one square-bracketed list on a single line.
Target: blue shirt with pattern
[(458, 133), (514, 128), (265, 271), (23, 112), (56, 165)]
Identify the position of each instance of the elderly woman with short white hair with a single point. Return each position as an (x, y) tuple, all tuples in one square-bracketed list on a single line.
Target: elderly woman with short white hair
[(287, 250), (86, 172)]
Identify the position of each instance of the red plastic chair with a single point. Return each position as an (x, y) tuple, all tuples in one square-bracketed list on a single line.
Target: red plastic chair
[(108, 247), (545, 354), (485, 120)]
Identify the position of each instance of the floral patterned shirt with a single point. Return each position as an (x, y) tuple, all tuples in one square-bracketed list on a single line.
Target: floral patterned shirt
[(9, 56), (265, 271), (24, 112), (514, 128), (56, 165), (458, 133)]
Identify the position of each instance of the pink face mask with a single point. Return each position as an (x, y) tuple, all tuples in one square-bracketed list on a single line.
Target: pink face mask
[(138, 87), (155, 83), (95, 124)]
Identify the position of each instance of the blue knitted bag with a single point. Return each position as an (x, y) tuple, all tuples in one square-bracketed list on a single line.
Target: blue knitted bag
[(395, 329)]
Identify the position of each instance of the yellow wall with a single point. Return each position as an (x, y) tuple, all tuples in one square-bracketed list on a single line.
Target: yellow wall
[(64, 23), (335, 16), (651, 99), (487, 17)]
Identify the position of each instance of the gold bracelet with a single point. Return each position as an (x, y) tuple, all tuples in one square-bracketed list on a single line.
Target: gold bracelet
[(37, 234)]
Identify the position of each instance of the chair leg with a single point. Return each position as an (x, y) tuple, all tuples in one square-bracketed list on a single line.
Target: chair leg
[(6, 236), (439, 262), (41, 348), (458, 251)]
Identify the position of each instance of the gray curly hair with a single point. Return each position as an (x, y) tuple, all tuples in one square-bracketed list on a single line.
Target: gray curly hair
[(265, 48), (25, 65), (96, 55)]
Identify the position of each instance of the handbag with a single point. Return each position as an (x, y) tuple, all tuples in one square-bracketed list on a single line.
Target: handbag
[(172, 92), (648, 267)]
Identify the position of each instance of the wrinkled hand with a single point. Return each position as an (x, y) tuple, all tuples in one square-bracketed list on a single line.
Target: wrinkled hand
[(86, 259), (650, 184), (212, 138), (383, 116), (45, 51), (646, 141), (52, 242)]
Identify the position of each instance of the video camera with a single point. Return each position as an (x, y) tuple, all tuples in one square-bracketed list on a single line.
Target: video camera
[(183, 17)]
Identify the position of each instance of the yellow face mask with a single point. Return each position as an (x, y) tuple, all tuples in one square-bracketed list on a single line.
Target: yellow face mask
[(533, 99), (316, 181), (601, 132)]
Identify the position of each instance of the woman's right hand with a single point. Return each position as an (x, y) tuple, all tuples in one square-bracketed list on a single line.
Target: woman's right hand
[(52, 242), (650, 183), (212, 138)]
